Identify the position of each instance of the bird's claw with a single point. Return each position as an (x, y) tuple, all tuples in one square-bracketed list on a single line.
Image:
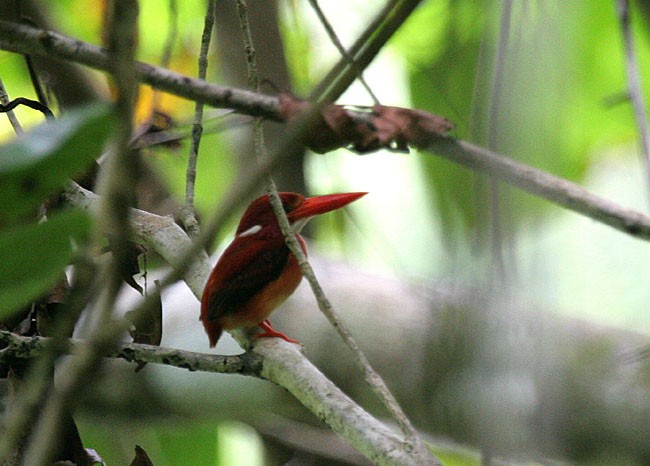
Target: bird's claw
[(270, 332)]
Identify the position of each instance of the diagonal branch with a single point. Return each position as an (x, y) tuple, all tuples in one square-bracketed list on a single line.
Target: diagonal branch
[(364, 50), (288, 369), (187, 213), (282, 363), (339, 46), (29, 40), (634, 81), (374, 380), (537, 182)]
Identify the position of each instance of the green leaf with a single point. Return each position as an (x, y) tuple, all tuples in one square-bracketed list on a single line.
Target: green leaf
[(38, 163), (34, 257)]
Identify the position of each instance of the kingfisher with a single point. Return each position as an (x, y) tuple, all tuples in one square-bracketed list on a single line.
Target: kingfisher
[(257, 272)]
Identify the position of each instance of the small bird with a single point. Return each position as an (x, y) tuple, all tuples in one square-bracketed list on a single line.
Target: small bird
[(257, 272)]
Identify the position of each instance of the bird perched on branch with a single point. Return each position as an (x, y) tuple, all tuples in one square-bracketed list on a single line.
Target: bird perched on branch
[(257, 272)]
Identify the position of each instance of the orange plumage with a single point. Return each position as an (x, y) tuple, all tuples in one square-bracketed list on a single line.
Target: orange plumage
[(257, 272)]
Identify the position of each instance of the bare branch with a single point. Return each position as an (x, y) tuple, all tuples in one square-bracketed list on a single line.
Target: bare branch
[(21, 347), (25, 39), (545, 185), (283, 363), (339, 46), (634, 82), (188, 216), (364, 50), (116, 183)]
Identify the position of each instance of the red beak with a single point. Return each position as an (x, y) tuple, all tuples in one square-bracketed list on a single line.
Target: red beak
[(320, 204)]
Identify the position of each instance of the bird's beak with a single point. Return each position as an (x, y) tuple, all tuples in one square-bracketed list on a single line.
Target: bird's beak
[(320, 204)]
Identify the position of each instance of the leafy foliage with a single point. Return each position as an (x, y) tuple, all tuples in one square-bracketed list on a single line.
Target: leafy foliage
[(33, 167), (38, 163), (34, 257)]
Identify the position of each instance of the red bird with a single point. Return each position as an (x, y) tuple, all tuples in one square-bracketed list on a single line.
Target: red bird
[(257, 272)]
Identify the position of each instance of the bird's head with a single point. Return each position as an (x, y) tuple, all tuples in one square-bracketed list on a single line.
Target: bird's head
[(259, 220)]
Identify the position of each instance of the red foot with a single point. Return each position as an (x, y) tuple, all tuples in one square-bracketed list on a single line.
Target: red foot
[(269, 331)]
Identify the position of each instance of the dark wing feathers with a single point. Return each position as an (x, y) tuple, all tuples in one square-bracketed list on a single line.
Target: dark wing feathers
[(254, 273)]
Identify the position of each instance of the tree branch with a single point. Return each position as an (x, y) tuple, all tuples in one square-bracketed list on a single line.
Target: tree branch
[(21, 347), (273, 360), (187, 213), (116, 183), (543, 184), (282, 363), (26, 39), (634, 81)]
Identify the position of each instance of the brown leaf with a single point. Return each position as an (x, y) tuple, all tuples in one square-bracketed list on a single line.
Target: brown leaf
[(49, 309), (59, 293), (130, 265), (147, 326), (392, 128), (415, 127), (141, 457), (291, 106), (323, 136)]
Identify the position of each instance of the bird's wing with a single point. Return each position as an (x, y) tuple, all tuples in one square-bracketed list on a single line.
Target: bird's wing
[(242, 271)]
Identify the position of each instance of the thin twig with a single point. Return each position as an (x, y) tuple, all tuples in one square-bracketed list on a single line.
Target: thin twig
[(4, 100), (282, 362), (188, 216), (25, 39), (33, 104), (168, 47), (253, 79), (634, 83), (23, 347), (497, 209), (373, 379), (364, 50), (117, 184), (339, 46)]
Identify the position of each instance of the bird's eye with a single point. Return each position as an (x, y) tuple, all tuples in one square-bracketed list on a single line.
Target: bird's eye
[(287, 207), (290, 205)]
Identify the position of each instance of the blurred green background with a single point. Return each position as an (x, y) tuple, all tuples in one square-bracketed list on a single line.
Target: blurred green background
[(553, 102)]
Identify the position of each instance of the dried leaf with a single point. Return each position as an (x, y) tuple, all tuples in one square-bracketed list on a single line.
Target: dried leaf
[(160, 122), (59, 293), (392, 128), (131, 265), (141, 457), (49, 309), (147, 326), (415, 127), (324, 136)]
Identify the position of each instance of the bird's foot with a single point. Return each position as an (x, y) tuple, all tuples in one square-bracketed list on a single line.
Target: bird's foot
[(269, 331)]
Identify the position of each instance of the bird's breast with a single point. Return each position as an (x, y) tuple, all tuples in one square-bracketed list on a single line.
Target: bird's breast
[(260, 306)]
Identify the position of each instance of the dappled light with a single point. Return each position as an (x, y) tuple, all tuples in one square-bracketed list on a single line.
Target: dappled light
[(463, 186)]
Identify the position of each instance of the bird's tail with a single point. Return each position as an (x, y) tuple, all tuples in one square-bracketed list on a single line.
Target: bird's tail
[(214, 331)]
